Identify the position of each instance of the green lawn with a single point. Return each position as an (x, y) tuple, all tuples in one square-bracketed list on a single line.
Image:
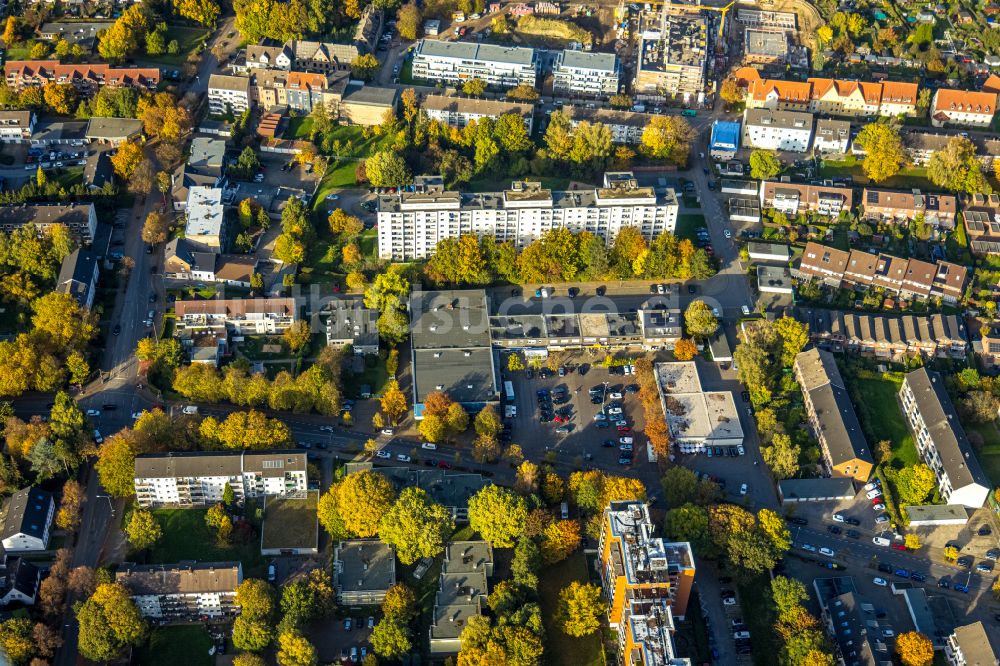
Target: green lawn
[(881, 418), (299, 127), (188, 39), (915, 177), (368, 243), (406, 72), (375, 376), (688, 225), (187, 537), (168, 646), (991, 465), (563, 650), (755, 602)]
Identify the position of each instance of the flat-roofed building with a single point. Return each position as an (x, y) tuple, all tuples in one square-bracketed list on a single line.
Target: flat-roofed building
[(725, 140), (626, 126), (366, 105), (941, 440), (456, 62), (182, 592), (205, 218), (363, 571), (450, 489), (350, 323), (765, 47), (411, 223), (200, 478), (789, 131), (460, 111), (697, 419), (587, 74), (775, 252), (113, 131), (833, 489), (844, 449), (774, 280), (673, 56), (462, 588), (969, 645), (760, 18)]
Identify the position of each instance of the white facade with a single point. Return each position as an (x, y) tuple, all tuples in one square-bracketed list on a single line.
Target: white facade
[(832, 136), (28, 523), (411, 224), (205, 214), (587, 74), (777, 130), (459, 111), (228, 93), (457, 62), (961, 107), (183, 592)]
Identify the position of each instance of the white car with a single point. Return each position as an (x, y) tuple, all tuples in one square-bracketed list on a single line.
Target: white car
[(136, 415), (615, 395), (880, 582), (98, 437), (190, 409), (881, 519), (729, 601), (385, 455), (625, 440), (740, 450), (615, 411), (402, 457), (93, 412), (388, 431), (888, 633), (727, 233), (332, 197), (872, 494), (429, 446), (826, 551), (881, 541), (808, 547), (838, 517), (326, 428), (872, 486), (743, 489), (738, 635), (878, 507)]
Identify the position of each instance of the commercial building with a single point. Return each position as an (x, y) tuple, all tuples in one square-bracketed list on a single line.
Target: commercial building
[(411, 223), (697, 419), (886, 336), (456, 62), (765, 47), (205, 218), (78, 276), (646, 581), (937, 514), (941, 440), (200, 478), (774, 280), (291, 524), (586, 74), (363, 571), (774, 252), (845, 451), (759, 18), (834, 489), (228, 94), (789, 131), (350, 323), (79, 218), (462, 589), (970, 646), (460, 111), (725, 140), (794, 198), (963, 107), (903, 206), (673, 57), (16, 126), (832, 136), (27, 523), (450, 348), (254, 316), (645, 329), (366, 105), (86, 78), (183, 592), (626, 126)]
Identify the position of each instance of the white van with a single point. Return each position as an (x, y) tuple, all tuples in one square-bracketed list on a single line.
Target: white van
[(190, 409), (881, 541)]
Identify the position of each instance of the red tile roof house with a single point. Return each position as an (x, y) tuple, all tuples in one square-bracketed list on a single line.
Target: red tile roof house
[(902, 206), (86, 78), (963, 107)]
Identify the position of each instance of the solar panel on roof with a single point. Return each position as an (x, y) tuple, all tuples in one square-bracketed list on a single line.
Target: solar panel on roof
[(872, 197)]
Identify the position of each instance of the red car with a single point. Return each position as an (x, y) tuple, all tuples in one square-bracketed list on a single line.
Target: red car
[(622, 428), (443, 465), (561, 419), (898, 546), (877, 500)]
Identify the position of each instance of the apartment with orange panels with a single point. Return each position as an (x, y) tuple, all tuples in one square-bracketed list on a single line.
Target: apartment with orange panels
[(834, 97), (646, 581)]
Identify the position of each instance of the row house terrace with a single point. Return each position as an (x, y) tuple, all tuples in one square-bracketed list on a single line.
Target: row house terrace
[(886, 336), (901, 206), (86, 78), (836, 97), (261, 316)]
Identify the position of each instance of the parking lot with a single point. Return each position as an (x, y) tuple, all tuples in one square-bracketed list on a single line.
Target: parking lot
[(335, 642)]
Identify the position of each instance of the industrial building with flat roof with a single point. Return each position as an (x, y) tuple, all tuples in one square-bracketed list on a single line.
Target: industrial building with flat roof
[(457, 62), (697, 419)]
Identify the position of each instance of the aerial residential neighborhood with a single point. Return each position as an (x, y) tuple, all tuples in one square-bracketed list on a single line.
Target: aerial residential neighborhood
[(500, 332)]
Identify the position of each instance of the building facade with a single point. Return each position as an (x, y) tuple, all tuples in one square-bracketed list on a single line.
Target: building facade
[(902, 206), (834, 97), (228, 94), (410, 224), (28, 523), (586, 74), (199, 479), (673, 57), (456, 62), (886, 336), (16, 126), (832, 136), (789, 131), (963, 107), (460, 111), (794, 198), (205, 218), (941, 440), (969, 645), (79, 218), (626, 126), (86, 78), (257, 316), (183, 592)]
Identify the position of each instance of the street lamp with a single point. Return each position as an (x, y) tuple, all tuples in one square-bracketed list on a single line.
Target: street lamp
[(110, 503)]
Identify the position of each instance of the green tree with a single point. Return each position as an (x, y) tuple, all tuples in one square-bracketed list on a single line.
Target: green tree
[(667, 138), (498, 515), (109, 621), (794, 336), (416, 526), (250, 634), (474, 87), (764, 164), (391, 639), (687, 523), (883, 146), (365, 67), (488, 422), (143, 530), (228, 496), (782, 457), (363, 498), (524, 92), (699, 320), (914, 483), (956, 167), (580, 609), (386, 168), (294, 649)]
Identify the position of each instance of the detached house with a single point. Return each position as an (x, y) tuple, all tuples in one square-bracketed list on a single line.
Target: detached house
[(963, 107), (28, 522)]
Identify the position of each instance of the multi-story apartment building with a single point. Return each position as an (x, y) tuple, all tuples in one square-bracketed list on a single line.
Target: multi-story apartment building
[(183, 592), (410, 224), (199, 479), (969, 645), (844, 449), (794, 198), (582, 73), (457, 62), (27, 524), (673, 57), (228, 94), (909, 277), (626, 126), (941, 440), (834, 97), (363, 571), (638, 569), (777, 130), (86, 78), (16, 126), (301, 91), (205, 218), (302, 56), (697, 419), (79, 218), (460, 111), (852, 624), (462, 589), (832, 136), (963, 107), (765, 47), (259, 316), (886, 336), (902, 206)]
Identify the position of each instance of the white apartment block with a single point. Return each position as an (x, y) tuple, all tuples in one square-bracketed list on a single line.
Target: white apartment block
[(457, 62), (27, 524), (969, 645), (205, 217), (199, 479), (410, 224), (777, 130), (586, 74), (460, 111), (182, 592), (228, 93), (16, 126), (941, 440)]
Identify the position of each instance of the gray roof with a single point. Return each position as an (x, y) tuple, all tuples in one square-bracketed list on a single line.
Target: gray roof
[(456, 319), (449, 489), (57, 130), (806, 489), (225, 82), (120, 129), (27, 511), (755, 247), (22, 576), (76, 276), (578, 113), (68, 214), (974, 642), (587, 60), (465, 375), (850, 630), (470, 51), (945, 427), (217, 463), (181, 578), (98, 169), (782, 119), (766, 42), (208, 156), (937, 512), (468, 556), (370, 95), (364, 565), (486, 107), (349, 319)]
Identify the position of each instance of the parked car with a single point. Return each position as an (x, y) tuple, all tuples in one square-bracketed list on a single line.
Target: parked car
[(826, 551), (881, 582), (402, 457)]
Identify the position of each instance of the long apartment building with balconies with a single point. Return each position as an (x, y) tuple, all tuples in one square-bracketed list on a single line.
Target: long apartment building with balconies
[(200, 478), (456, 62), (941, 440), (586, 74), (260, 316), (646, 581), (183, 592), (412, 222)]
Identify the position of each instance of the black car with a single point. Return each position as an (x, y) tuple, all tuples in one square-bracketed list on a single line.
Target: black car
[(608, 444), (798, 521), (853, 534), (993, 554), (917, 576), (573, 291), (885, 567), (852, 521), (152, 298), (944, 583), (692, 289), (964, 561), (109, 407), (601, 291), (833, 529), (632, 388), (116, 330), (985, 531)]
